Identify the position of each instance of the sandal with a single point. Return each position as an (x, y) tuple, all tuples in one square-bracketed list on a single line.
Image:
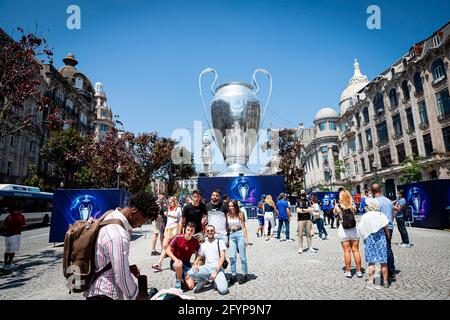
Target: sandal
[(157, 268)]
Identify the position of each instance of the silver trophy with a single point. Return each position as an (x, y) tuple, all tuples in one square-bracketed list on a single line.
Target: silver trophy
[(236, 119), (243, 191)]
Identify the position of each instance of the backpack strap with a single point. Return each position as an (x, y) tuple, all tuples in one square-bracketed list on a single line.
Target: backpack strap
[(99, 272)]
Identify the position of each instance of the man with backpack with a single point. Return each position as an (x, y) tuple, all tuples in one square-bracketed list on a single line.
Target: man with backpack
[(400, 208), (115, 279)]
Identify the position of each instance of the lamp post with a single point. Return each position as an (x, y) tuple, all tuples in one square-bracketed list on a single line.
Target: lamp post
[(375, 167), (118, 171)]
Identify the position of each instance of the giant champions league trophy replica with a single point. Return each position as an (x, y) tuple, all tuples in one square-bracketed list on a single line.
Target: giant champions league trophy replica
[(236, 119)]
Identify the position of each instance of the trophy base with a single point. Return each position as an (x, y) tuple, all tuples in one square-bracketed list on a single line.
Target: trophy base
[(235, 170)]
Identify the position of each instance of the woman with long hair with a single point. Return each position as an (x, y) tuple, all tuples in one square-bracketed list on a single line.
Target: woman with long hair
[(269, 216), (170, 231), (238, 239), (347, 232)]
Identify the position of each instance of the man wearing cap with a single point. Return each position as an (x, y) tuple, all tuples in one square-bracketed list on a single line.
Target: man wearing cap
[(260, 231)]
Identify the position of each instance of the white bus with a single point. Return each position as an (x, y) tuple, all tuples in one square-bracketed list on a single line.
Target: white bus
[(37, 205)]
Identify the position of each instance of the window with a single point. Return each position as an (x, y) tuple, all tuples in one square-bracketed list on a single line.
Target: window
[(69, 104), (343, 127), (358, 120), (382, 132), (438, 70), (83, 118), (423, 112), (371, 159), (104, 127), (355, 164), (397, 125), (59, 95), (360, 141), (414, 148), (353, 144), (378, 104), (11, 141), (79, 83), (347, 170), (385, 158), (363, 165), (443, 103), (393, 98), (410, 118), (333, 125), (405, 90), (50, 170), (9, 169), (105, 113), (345, 149), (322, 126), (366, 115), (418, 83), (369, 138), (428, 144), (401, 154), (433, 174), (436, 41), (446, 134)]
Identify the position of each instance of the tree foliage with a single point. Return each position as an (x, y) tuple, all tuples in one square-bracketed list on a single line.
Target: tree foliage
[(412, 169), (20, 81), (289, 151)]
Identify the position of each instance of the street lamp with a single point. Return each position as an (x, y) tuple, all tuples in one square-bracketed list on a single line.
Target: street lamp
[(61, 184), (118, 171), (375, 167)]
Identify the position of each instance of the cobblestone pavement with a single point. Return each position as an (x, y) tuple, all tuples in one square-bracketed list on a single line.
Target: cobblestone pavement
[(277, 270)]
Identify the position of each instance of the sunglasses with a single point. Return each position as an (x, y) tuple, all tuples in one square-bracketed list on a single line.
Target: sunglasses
[(210, 231)]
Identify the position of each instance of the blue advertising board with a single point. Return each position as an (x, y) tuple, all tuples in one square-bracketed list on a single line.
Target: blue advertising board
[(70, 205), (428, 201), (326, 199), (247, 189)]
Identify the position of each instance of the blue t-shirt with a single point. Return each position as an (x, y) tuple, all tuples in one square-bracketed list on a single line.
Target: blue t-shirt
[(282, 206), (402, 203), (362, 205), (268, 208), (386, 207)]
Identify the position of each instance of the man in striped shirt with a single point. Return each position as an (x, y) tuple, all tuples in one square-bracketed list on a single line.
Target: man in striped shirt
[(113, 245)]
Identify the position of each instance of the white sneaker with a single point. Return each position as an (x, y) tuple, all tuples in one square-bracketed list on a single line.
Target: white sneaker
[(312, 250), (359, 274), (199, 286), (300, 251), (289, 240), (348, 274), (404, 245)]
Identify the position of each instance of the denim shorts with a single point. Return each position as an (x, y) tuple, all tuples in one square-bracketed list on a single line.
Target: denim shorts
[(186, 267)]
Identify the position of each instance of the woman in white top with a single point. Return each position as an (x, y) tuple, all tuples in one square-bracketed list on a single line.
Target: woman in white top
[(238, 239), (173, 217), (349, 236)]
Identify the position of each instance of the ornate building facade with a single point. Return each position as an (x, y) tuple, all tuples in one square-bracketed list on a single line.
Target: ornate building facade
[(404, 111), (104, 117)]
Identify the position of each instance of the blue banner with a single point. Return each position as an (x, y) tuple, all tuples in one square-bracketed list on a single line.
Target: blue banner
[(247, 189), (70, 205), (428, 201), (327, 200)]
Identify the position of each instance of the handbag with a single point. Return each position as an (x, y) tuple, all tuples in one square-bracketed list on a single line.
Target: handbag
[(225, 262)]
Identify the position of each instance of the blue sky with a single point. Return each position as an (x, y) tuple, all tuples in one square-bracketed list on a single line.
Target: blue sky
[(149, 54)]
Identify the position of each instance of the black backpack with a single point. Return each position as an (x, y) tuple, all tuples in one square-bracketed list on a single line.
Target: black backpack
[(348, 218)]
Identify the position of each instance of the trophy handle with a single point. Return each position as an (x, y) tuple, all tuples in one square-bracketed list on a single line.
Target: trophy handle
[(255, 84), (207, 70)]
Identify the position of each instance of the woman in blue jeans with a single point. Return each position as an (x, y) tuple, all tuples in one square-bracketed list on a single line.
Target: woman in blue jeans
[(238, 240)]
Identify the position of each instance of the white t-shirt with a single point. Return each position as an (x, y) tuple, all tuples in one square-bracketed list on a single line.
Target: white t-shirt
[(211, 252), (217, 217), (173, 217)]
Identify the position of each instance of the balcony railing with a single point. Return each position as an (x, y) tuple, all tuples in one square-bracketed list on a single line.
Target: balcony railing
[(444, 117), (424, 125), (418, 94), (410, 131), (382, 142)]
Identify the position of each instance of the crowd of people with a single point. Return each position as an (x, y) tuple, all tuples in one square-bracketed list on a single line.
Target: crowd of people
[(210, 232)]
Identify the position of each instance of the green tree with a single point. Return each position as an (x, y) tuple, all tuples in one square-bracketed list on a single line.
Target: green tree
[(412, 169), (289, 152), (65, 150)]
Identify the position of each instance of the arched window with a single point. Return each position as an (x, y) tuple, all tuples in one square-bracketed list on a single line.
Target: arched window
[(418, 83), (378, 104), (393, 98), (433, 174), (438, 69), (323, 126), (366, 115), (79, 83), (405, 90)]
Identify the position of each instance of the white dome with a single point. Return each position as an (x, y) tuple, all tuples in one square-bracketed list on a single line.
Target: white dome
[(326, 113), (356, 83)]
